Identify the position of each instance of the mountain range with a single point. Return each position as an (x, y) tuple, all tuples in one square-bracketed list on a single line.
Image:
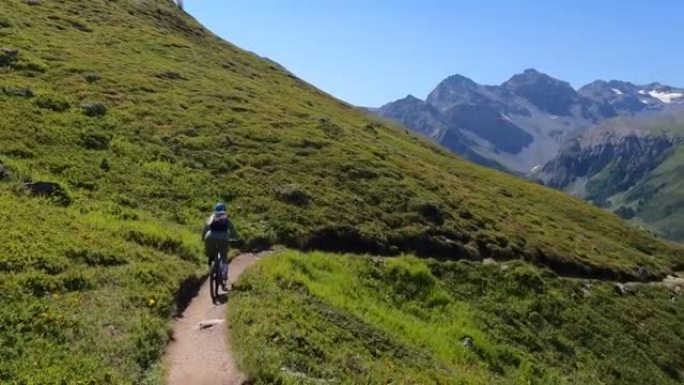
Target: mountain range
[(523, 123)]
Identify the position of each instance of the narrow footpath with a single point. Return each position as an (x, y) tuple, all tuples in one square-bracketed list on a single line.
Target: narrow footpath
[(200, 352)]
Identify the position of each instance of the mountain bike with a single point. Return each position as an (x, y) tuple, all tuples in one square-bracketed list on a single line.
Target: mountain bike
[(217, 271)]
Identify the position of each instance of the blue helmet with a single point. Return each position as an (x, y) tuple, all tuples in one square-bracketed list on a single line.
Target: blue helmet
[(219, 207)]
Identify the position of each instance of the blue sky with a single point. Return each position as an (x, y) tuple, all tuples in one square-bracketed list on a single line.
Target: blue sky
[(372, 52)]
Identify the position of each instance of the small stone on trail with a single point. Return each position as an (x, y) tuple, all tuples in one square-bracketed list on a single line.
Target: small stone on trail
[(210, 323)]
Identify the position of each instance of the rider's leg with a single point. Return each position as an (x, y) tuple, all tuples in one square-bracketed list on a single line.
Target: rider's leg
[(223, 249), (209, 250)]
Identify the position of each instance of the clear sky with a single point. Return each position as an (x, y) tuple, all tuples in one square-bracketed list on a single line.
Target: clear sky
[(369, 52)]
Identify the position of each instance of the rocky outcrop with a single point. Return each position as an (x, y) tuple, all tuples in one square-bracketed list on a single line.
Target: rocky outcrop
[(628, 159)]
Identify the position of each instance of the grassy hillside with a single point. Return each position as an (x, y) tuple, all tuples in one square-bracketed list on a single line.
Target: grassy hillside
[(314, 318), (85, 297), (145, 119), (191, 119)]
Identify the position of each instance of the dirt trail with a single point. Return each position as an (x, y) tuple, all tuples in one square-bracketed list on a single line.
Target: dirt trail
[(200, 351)]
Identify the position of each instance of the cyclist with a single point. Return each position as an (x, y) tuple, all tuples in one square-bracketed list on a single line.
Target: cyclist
[(217, 233)]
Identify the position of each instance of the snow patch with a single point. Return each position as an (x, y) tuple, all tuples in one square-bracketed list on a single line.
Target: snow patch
[(536, 168), (553, 117), (665, 97), (617, 92), (642, 92)]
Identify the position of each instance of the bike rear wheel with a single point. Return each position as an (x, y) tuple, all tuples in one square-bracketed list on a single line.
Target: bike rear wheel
[(215, 279)]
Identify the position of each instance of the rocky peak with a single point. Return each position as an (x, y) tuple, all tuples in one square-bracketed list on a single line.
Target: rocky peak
[(458, 81), (545, 92), (410, 99), (453, 90), (604, 89)]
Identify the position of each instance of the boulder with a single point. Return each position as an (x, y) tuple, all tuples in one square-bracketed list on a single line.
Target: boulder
[(625, 288), (674, 282)]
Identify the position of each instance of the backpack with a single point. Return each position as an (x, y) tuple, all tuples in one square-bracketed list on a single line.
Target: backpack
[(219, 222)]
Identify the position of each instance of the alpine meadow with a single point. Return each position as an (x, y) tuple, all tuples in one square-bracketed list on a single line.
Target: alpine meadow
[(123, 121)]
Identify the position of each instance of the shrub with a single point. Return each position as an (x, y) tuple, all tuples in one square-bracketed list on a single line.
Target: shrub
[(50, 190), (5, 173), (329, 128), (95, 258), (104, 165), (626, 212), (8, 56), (52, 103), (17, 150), (410, 279), (293, 195), (95, 140), (91, 77), (164, 244), (94, 109), (17, 92), (431, 212)]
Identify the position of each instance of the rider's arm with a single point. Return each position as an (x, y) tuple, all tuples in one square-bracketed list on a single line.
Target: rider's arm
[(205, 230), (234, 236)]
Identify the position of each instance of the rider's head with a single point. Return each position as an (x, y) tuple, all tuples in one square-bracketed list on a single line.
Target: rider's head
[(220, 207)]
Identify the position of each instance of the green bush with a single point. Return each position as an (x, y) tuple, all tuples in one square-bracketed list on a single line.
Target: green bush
[(95, 109), (95, 140), (52, 103)]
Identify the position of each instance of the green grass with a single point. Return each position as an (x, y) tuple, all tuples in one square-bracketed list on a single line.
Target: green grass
[(83, 301), (306, 318), (145, 119)]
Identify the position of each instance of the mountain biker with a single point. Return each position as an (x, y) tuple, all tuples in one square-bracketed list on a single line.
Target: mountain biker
[(217, 233)]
